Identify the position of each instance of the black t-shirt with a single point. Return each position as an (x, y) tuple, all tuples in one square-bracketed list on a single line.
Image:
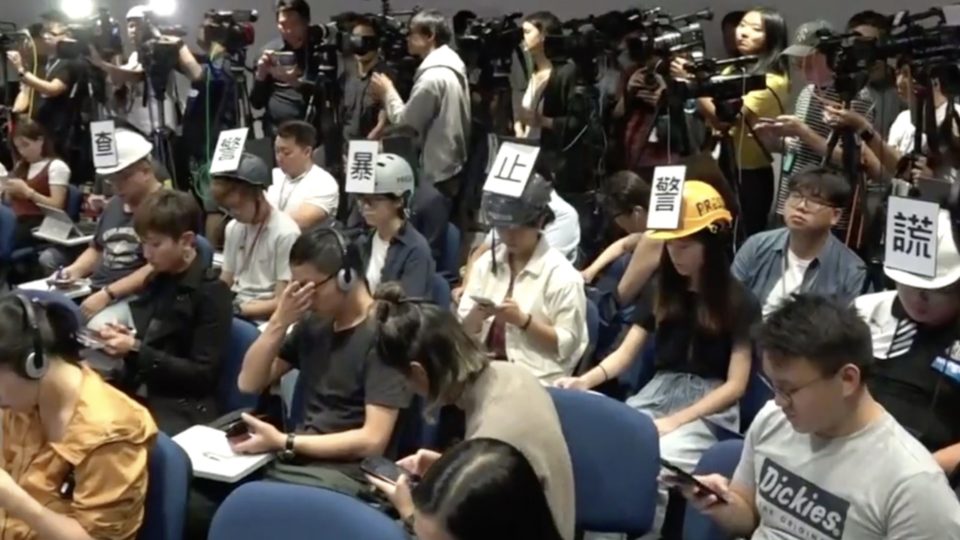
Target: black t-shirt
[(921, 386), (360, 109), (282, 102), (341, 373), (56, 113), (684, 347)]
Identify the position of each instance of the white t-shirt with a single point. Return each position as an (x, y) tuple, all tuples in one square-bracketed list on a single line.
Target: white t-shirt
[(317, 188), (259, 261), (789, 282), (146, 118), (902, 131), (378, 258), (563, 233), (533, 101), (57, 175), (878, 483)]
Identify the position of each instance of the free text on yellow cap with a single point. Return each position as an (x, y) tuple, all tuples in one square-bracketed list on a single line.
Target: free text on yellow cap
[(701, 207)]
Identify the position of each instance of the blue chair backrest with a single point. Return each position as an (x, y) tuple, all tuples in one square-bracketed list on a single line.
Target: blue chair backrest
[(593, 327), (756, 395), (242, 335), (205, 251), (259, 510), (8, 228), (450, 261), (54, 297), (74, 202), (441, 292), (722, 458), (616, 460), (168, 486)]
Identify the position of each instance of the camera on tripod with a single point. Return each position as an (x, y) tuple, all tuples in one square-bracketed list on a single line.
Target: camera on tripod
[(710, 80), (101, 31), (663, 36), (231, 28), (491, 44)]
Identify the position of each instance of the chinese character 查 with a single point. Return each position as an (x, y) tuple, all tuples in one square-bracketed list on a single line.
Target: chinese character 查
[(362, 168), (912, 235), (103, 142)]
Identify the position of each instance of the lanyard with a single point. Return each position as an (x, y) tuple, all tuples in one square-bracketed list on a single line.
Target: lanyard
[(248, 256), (281, 201)]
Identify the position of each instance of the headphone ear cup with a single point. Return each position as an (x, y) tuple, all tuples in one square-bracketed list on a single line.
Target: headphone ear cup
[(345, 279), (35, 365)]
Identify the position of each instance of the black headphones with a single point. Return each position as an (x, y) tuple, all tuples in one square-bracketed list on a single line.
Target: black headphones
[(350, 260), (34, 364)]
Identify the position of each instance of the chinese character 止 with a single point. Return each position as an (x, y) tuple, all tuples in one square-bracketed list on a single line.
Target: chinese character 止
[(103, 142), (512, 175), (912, 235), (228, 149), (362, 168)]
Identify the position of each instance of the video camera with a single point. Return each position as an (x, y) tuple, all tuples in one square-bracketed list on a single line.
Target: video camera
[(663, 36), (707, 80), (101, 31), (490, 45), (231, 28)]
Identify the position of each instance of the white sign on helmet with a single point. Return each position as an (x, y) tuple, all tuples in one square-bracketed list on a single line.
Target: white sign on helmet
[(229, 151), (103, 140), (361, 166), (512, 169), (666, 198), (911, 241)]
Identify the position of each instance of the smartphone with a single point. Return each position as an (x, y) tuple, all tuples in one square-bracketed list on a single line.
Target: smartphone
[(90, 339), (683, 477), (237, 431), (386, 470), (285, 59), (485, 302)]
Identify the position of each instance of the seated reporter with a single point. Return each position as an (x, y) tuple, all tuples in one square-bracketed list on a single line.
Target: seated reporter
[(172, 336), (38, 177), (532, 307), (74, 454), (300, 188), (393, 250), (445, 366), (352, 399), (915, 331), (481, 489)]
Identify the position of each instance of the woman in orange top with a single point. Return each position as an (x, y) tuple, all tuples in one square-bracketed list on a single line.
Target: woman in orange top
[(38, 178), (73, 463)]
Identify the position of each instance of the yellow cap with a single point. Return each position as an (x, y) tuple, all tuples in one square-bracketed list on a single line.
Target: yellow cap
[(702, 207)]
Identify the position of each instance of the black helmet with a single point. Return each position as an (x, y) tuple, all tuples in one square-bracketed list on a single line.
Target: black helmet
[(527, 210), (252, 170)]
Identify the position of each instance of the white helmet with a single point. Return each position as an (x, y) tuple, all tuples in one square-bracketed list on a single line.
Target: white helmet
[(393, 175), (137, 12)]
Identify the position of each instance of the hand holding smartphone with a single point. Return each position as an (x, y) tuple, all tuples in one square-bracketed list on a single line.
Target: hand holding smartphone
[(386, 470), (485, 303), (682, 478)]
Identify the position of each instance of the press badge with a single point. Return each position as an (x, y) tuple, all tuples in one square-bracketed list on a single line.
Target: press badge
[(788, 160), (948, 367)]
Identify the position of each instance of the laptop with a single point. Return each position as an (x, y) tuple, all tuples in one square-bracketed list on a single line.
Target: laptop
[(58, 225)]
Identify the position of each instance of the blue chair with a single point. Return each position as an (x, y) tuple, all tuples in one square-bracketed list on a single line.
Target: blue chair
[(205, 251), (242, 335), (721, 459), (74, 202), (756, 395), (259, 510), (615, 452), (165, 512), (8, 230), (449, 264), (54, 297), (441, 292), (593, 328)]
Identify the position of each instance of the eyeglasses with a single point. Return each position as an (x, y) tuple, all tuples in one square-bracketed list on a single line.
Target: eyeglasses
[(370, 200), (787, 395), (813, 204)]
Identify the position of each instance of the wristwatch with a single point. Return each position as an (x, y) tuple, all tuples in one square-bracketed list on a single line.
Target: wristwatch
[(288, 454)]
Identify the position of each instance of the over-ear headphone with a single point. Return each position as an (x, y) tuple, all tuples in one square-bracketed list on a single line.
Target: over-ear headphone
[(34, 362), (350, 260)]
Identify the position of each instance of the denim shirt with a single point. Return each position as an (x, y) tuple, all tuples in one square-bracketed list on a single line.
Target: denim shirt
[(836, 270), (408, 261)]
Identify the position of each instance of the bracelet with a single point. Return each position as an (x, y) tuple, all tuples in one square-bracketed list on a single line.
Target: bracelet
[(113, 297), (606, 376), (527, 324)]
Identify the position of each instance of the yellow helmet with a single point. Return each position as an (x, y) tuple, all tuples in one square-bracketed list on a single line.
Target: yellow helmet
[(702, 207)]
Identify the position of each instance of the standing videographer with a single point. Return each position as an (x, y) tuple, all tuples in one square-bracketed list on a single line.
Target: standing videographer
[(54, 106), (439, 104), (362, 115), (276, 86)]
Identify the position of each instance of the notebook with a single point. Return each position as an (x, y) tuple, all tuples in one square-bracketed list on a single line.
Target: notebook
[(213, 459), (58, 225)]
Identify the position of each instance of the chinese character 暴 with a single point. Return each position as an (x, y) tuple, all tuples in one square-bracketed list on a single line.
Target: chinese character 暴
[(362, 168), (228, 149), (912, 235), (103, 142), (512, 175), (664, 202), (668, 184)]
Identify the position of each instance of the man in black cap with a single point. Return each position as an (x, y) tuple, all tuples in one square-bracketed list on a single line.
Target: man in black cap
[(256, 258)]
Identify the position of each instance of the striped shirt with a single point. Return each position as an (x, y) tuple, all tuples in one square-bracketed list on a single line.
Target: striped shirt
[(797, 156)]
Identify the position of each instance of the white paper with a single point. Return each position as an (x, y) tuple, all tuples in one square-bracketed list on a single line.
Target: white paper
[(911, 240), (229, 151), (361, 166), (103, 142), (666, 198), (951, 15), (512, 169), (213, 459)]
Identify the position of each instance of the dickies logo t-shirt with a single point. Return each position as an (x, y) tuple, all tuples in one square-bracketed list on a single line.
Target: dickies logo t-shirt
[(800, 508)]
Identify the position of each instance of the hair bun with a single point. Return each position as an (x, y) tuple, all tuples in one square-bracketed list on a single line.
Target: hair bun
[(388, 297)]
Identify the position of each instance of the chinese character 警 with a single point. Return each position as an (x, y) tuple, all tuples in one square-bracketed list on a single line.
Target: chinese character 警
[(664, 202), (668, 184)]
